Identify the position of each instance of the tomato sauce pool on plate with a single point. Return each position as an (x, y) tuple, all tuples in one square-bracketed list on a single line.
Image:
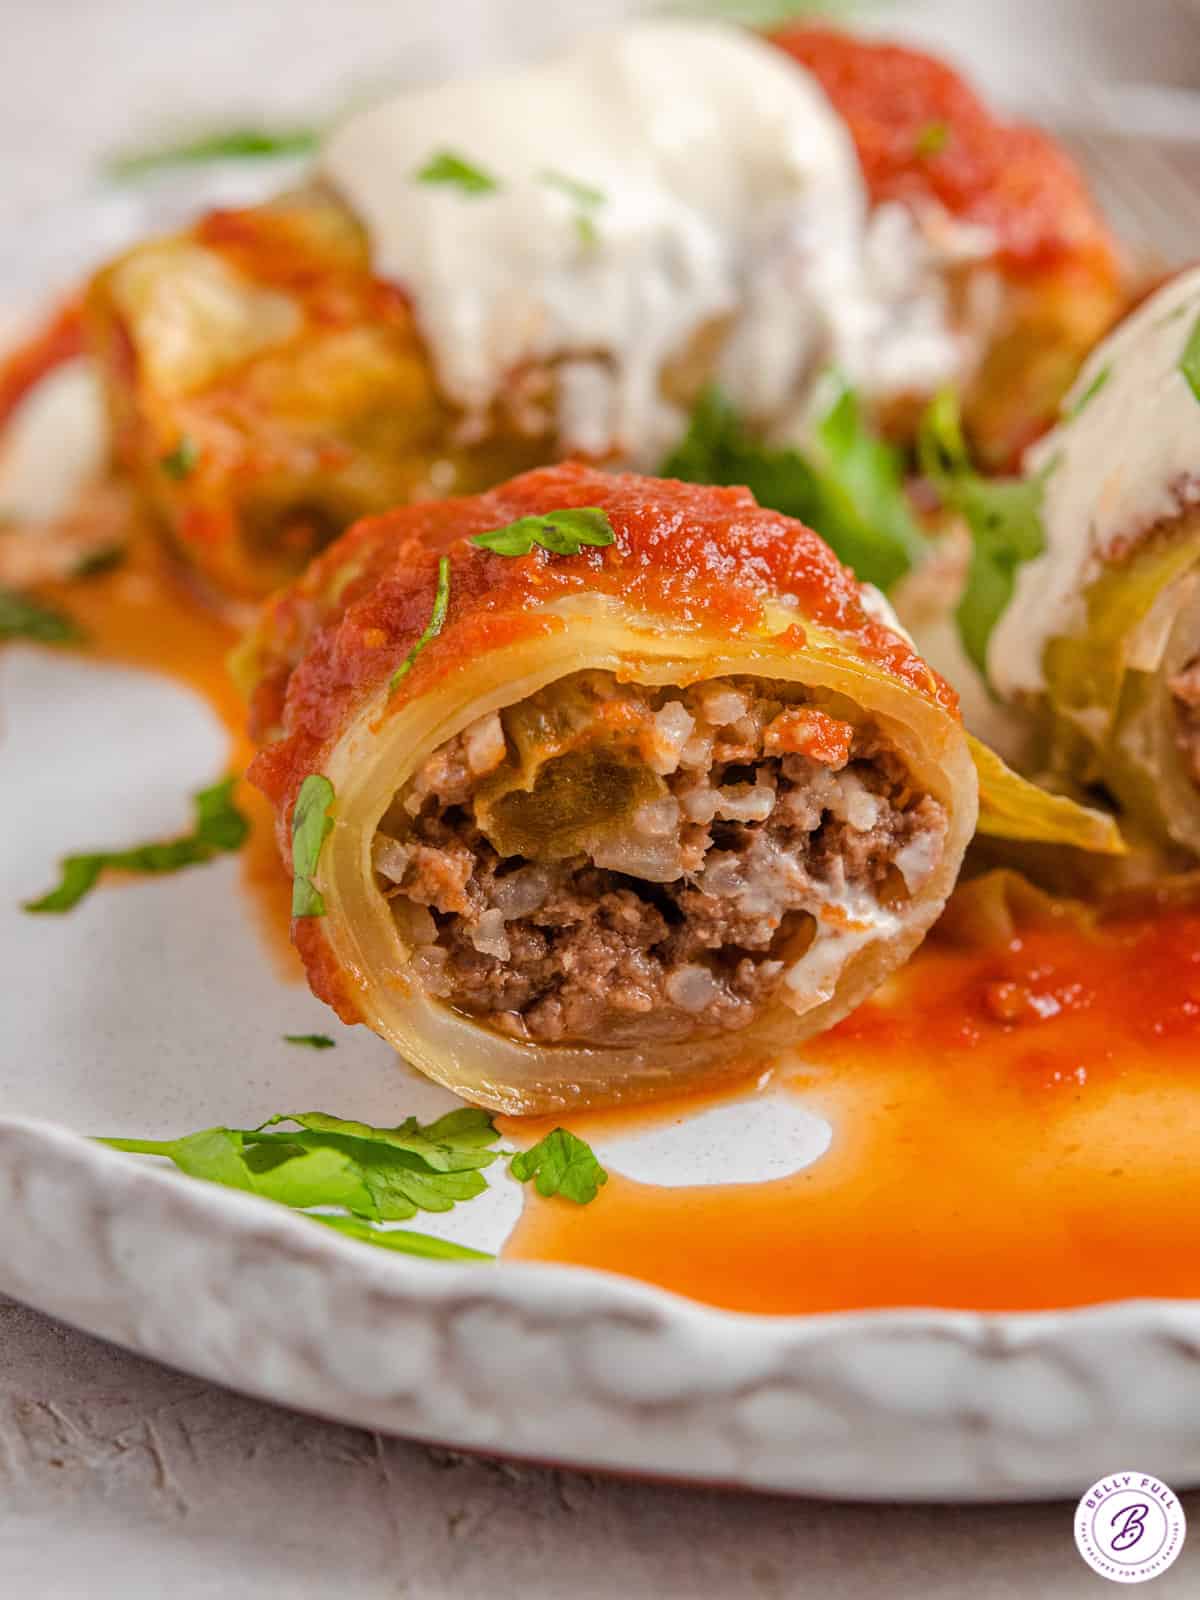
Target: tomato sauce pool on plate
[(1012, 1130)]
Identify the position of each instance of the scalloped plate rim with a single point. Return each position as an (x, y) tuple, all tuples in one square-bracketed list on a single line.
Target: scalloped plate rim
[(853, 1430)]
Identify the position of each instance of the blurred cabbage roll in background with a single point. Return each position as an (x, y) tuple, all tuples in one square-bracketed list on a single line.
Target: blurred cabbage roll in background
[(1099, 640), (559, 260)]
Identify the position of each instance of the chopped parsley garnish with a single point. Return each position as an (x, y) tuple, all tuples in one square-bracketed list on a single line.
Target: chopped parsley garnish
[(311, 826), (1090, 393), (24, 618), (1004, 516), (447, 166), (405, 1240), (219, 827), (437, 617), (931, 140), (231, 144), (1189, 361), (371, 1175), (561, 1164), (586, 197), (583, 194), (181, 462), (562, 533), (849, 486), (311, 1041)]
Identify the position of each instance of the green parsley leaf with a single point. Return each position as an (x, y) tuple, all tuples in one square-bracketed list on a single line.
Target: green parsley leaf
[(181, 462), (586, 198), (404, 1240), (447, 166), (237, 1159), (374, 1174), (717, 448), (223, 145), (311, 826), (1004, 516), (561, 1164), (863, 496), (1090, 393), (312, 1041), (391, 1184), (931, 140), (219, 827), (587, 230), (583, 194), (563, 533), (24, 618), (849, 487), (1189, 361), (458, 1142), (441, 603)]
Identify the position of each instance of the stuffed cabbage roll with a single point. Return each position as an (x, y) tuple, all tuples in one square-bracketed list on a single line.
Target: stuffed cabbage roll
[(625, 785), (597, 786), (1101, 639)]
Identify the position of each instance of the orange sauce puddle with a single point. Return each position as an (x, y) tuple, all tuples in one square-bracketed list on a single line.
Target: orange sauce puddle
[(142, 615), (975, 1163)]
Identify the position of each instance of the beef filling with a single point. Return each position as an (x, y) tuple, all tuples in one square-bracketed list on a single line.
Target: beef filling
[(608, 863)]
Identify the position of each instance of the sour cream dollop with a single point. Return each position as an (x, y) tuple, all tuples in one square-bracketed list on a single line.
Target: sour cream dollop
[(649, 188)]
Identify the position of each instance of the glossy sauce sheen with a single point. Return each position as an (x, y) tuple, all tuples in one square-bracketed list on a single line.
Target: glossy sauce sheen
[(1013, 1130)]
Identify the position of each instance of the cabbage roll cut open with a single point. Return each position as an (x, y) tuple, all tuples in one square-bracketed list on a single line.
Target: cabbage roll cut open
[(1102, 635), (598, 786)]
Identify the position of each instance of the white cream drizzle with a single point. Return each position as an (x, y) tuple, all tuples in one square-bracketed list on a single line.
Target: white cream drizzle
[(848, 919), (1129, 459), (732, 195)]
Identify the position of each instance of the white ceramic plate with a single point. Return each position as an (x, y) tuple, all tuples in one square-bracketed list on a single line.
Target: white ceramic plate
[(154, 1009)]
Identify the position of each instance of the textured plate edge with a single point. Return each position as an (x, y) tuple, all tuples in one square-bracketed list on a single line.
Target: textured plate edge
[(589, 1369)]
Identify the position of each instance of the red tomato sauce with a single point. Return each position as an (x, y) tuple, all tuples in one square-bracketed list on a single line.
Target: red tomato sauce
[(1012, 1130), (58, 340), (923, 134), (696, 555)]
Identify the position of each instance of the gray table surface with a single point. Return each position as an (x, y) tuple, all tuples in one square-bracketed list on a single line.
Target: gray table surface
[(121, 1478)]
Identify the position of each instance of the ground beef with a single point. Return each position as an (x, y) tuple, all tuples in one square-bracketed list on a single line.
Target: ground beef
[(679, 918), (1185, 687)]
